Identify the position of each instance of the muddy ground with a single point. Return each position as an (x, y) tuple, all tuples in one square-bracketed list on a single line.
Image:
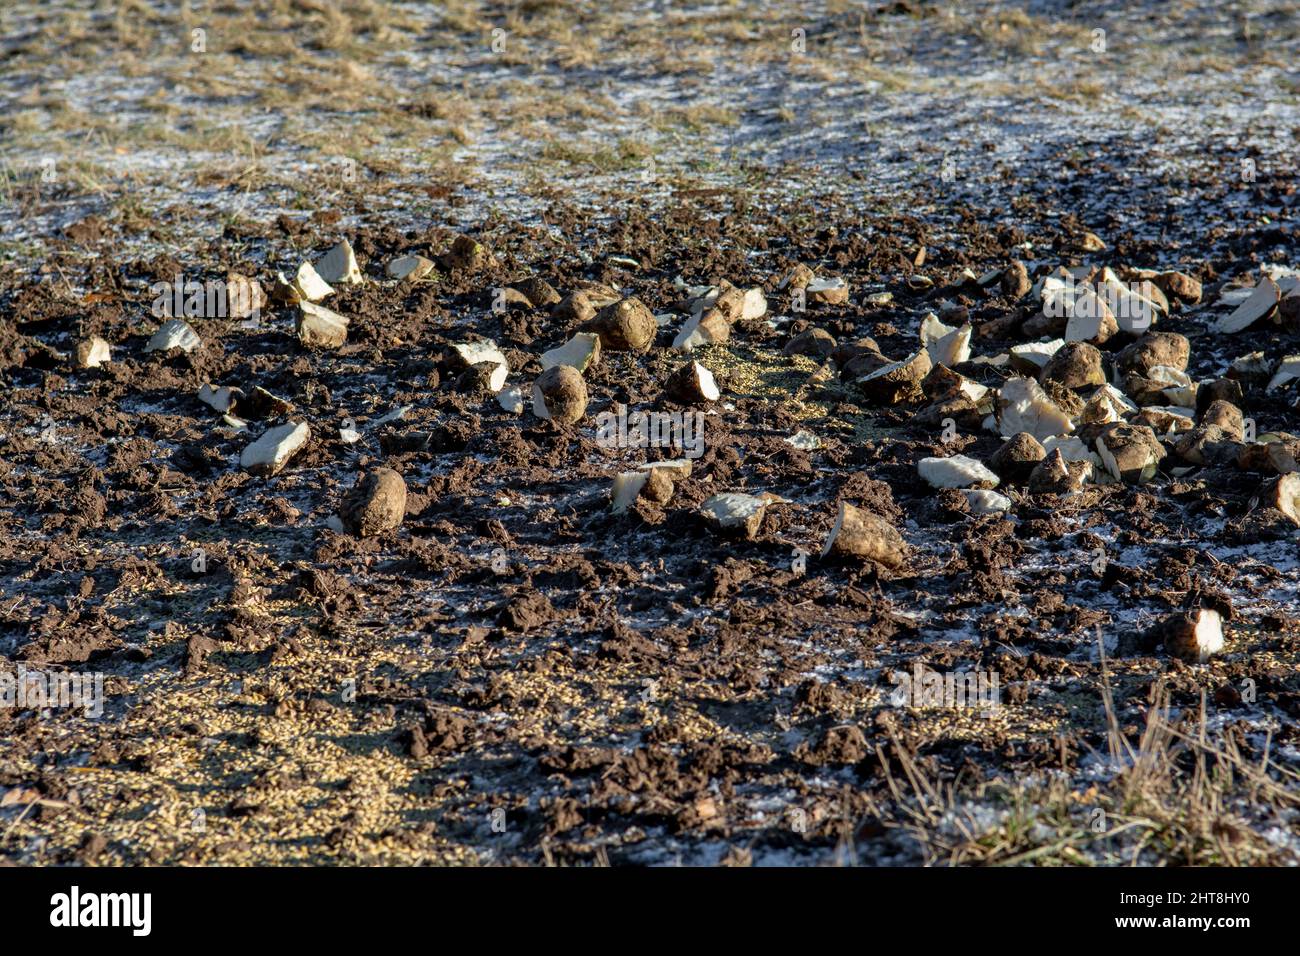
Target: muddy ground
[(516, 674)]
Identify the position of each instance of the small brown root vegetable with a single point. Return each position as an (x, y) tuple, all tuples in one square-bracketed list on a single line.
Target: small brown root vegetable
[(306, 286), (708, 328), (1075, 365), (956, 471), (1283, 493), (1259, 305), (1180, 286), (1055, 475), (652, 484), (539, 292), (376, 503), (269, 453), (1015, 280), (244, 295), (1017, 457), (625, 326), (465, 356), (1227, 416), (1206, 445), (864, 535), (319, 327), (735, 512), (692, 384), (93, 352), (582, 304), (897, 382), (834, 291), (560, 394), (339, 266), (1155, 349), (174, 334), (815, 343), (1131, 453), (1194, 636), (467, 255), (409, 268), (580, 352)]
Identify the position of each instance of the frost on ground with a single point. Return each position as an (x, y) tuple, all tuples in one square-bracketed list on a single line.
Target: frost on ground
[(343, 547)]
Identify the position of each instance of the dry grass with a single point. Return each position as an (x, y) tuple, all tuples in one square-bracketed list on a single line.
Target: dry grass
[(1177, 797)]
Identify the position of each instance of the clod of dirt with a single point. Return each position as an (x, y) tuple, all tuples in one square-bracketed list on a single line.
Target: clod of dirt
[(1259, 305), (732, 511), (625, 326), (93, 352), (692, 384), (1055, 475), (375, 504), (410, 268), (319, 327), (956, 471), (1131, 453), (580, 352), (815, 343), (863, 535), (174, 334), (339, 266), (560, 394), (1017, 457), (1193, 636), (272, 451), (1085, 241)]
